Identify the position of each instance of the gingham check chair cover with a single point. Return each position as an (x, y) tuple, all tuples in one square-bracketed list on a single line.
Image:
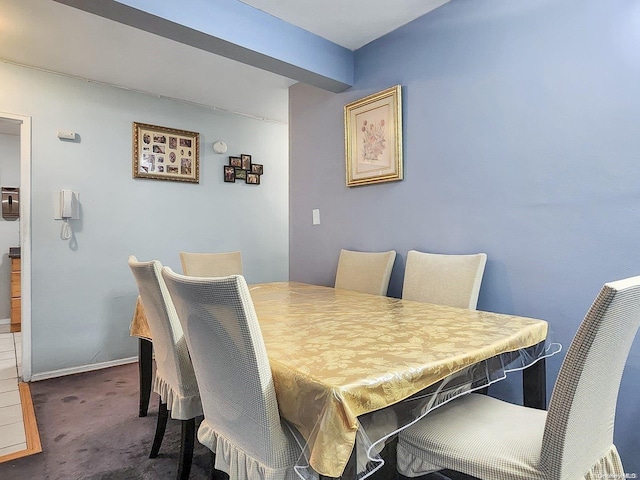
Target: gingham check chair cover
[(365, 272), (495, 440), (443, 279), (175, 380), (241, 423)]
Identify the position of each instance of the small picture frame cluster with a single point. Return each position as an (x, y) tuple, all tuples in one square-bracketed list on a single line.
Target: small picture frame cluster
[(242, 168), (163, 153)]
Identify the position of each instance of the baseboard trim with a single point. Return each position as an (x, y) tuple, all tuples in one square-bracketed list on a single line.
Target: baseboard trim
[(5, 321), (81, 369)]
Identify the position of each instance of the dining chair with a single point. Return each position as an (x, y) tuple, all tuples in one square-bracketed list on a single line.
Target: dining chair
[(365, 272), (495, 440), (211, 264), (175, 381), (242, 426), (452, 280), (197, 265)]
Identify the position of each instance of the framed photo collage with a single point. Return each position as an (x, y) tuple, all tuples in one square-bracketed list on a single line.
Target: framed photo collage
[(242, 168)]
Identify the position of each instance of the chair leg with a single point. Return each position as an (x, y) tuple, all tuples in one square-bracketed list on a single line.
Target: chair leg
[(212, 464), (145, 360), (163, 415), (216, 474), (187, 439)]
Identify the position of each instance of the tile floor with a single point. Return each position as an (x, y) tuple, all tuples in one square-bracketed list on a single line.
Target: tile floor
[(12, 434)]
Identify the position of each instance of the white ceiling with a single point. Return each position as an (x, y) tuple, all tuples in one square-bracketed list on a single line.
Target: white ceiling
[(350, 23), (48, 35)]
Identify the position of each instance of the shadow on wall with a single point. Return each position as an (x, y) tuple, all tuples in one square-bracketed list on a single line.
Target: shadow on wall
[(496, 280)]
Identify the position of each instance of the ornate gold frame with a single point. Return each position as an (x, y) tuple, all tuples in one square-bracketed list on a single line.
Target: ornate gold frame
[(164, 153), (373, 138)]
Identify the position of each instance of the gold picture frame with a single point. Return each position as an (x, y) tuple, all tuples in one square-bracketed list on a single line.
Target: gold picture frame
[(163, 153), (373, 138)]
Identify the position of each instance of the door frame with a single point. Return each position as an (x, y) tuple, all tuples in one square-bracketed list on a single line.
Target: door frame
[(25, 238)]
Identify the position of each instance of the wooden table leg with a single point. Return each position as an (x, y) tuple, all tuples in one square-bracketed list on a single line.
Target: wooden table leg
[(145, 352), (534, 385)]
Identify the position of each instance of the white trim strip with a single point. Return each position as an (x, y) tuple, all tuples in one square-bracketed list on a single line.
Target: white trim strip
[(82, 369)]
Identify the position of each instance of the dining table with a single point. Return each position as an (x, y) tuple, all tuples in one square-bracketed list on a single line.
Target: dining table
[(350, 370)]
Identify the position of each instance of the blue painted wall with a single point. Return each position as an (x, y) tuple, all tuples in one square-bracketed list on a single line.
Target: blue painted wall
[(83, 293), (521, 140)]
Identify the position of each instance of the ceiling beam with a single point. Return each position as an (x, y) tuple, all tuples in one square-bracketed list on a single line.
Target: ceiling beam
[(236, 31)]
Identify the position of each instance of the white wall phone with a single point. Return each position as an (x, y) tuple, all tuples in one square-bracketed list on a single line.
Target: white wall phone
[(66, 207), (65, 203)]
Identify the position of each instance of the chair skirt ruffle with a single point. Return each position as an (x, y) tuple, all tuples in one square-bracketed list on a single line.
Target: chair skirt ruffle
[(182, 407), (609, 466), (240, 466)]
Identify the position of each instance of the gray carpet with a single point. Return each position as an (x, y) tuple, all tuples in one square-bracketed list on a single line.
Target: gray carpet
[(90, 430)]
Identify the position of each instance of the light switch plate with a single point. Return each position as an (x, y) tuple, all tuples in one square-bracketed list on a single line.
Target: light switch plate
[(316, 216)]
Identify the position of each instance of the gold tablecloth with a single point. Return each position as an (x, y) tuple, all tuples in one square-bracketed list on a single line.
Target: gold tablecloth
[(139, 326), (337, 354)]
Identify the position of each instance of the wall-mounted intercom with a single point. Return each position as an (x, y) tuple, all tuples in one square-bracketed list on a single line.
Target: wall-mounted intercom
[(65, 203), (66, 207)]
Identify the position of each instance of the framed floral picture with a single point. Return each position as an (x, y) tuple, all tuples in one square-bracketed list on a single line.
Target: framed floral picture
[(165, 153), (373, 138)]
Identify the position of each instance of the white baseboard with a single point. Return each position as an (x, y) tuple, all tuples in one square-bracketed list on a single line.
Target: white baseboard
[(5, 321), (81, 369)]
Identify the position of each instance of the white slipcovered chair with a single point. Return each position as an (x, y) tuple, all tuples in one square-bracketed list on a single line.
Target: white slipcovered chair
[(494, 440), (211, 264), (452, 280), (197, 265), (365, 272), (242, 425), (175, 381)]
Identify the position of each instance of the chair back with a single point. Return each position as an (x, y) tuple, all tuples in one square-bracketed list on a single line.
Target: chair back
[(230, 361), (211, 264), (579, 426), (175, 378), (365, 272), (452, 280)]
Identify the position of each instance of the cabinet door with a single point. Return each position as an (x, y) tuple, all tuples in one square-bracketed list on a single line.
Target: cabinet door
[(15, 284), (16, 314), (15, 310)]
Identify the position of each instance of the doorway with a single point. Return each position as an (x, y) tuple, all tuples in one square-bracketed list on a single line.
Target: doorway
[(20, 125)]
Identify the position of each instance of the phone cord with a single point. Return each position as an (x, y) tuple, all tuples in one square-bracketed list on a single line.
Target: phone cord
[(66, 230)]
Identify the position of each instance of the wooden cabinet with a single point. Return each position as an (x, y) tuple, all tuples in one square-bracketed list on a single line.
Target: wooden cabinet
[(15, 294)]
